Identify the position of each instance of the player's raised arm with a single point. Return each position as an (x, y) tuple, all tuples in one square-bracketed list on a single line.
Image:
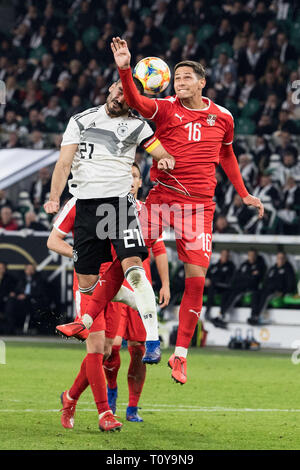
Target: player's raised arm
[(230, 165), (145, 106), (60, 176)]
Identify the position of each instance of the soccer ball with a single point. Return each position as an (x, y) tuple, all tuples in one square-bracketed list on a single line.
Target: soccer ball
[(153, 73)]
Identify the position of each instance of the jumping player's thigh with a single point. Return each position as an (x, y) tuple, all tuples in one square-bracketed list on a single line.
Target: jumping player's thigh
[(193, 270), (95, 342), (90, 250), (127, 238), (194, 246)]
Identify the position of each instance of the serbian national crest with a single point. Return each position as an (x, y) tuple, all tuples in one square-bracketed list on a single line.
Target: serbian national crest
[(122, 130), (211, 119)]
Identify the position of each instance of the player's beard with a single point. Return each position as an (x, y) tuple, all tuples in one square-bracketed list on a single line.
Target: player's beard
[(115, 109)]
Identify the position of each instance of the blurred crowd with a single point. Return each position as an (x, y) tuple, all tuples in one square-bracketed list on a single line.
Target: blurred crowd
[(56, 62)]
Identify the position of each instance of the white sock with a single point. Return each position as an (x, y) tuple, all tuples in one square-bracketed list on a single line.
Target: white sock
[(181, 352), (126, 296), (68, 397), (87, 320), (101, 414), (145, 300)]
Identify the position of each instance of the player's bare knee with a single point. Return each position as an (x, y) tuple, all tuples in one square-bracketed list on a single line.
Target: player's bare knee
[(87, 284), (95, 342)]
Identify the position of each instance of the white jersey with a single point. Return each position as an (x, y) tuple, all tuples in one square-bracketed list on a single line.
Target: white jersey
[(106, 150)]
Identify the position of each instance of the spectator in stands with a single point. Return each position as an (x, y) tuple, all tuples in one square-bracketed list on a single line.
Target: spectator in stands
[(191, 49), (10, 122), (47, 71), (271, 107), (246, 279), (25, 308), (223, 65), (284, 51), (249, 90), (40, 188), (261, 152), (271, 199), (13, 141), (35, 121), (224, 32), (288, 214), (7, 290), (6, 219), (248, 170), (266, 125), (174, 53), (288, 166), (36, 140), (218, 280), (32, 223), (239, 215), (3, 200), (52, 109), (76, 107), (222, 226), (285, 123), (280, 280), (251, 59)]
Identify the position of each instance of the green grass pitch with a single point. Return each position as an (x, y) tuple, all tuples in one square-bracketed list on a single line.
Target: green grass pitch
[(232, 400)]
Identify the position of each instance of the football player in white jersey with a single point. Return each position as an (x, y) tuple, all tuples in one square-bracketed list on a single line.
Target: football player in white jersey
[(99, 148)]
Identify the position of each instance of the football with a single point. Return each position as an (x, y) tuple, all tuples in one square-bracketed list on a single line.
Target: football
[(153, 73)]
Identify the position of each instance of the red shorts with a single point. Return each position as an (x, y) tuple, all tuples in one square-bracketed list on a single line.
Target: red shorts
[(191, 218), (131, 326)]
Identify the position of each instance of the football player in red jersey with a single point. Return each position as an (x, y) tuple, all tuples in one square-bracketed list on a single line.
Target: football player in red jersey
[(131, 326), (118, 320), (199, 134)]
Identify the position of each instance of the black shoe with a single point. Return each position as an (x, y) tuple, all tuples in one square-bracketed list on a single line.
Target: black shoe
[(252, 321), (219, 323)]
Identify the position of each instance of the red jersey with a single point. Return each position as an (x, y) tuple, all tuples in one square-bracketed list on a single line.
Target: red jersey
[(194, 138)]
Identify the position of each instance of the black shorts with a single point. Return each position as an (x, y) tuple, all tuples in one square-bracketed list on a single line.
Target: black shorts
[(100, 223)]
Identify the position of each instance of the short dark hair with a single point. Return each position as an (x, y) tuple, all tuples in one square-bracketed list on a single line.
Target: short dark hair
[(138, 167), (196, 66)]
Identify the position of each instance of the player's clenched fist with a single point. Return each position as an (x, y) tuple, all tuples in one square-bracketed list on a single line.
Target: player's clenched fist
[(51, 207), (167, 163)]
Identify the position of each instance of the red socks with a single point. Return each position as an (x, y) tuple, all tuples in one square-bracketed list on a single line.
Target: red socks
[(106, 289), (190, 310), (111, 367), (136, 373), (96, 378), (81, 382)]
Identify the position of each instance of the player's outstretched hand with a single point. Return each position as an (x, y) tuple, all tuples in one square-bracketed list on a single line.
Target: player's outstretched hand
[(167, 163), (51, 207), (164, 296), (255, 202), (121, 52)]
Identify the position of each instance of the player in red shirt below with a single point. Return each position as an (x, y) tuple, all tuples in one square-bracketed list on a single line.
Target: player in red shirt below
[(131, 326), (105, 324), (199, 134), (118, 321)]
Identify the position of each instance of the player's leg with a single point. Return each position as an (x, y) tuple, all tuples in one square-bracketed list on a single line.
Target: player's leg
[(96, 377), (115, 325), (189, 315), (111, 368), (136, 336), (194, 249), (131, 250)]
